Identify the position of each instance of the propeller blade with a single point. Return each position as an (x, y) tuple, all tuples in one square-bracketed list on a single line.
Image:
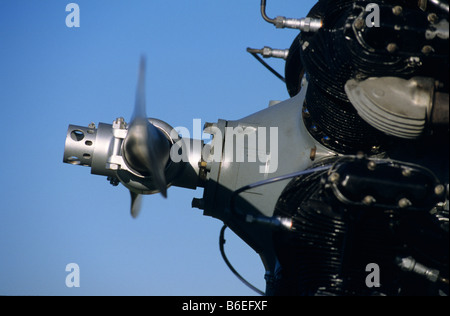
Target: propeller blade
[(139, 106), (146, 148), (136, 203)]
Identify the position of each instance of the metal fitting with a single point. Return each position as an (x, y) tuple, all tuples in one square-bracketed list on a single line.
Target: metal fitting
[(409, 264), (268, 52), (303, 24), (277, 53)]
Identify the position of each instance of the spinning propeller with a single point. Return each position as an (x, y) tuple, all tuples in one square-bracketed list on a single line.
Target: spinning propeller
[(146, 149)]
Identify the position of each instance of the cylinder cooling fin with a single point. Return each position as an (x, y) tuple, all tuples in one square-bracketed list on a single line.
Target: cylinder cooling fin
[(345, 48), (334, 240)]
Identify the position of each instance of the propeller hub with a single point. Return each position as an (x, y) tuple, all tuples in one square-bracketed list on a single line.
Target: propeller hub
[(138, 150)]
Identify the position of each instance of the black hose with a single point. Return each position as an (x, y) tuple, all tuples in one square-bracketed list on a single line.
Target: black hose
[(254, 54), (222, 252)]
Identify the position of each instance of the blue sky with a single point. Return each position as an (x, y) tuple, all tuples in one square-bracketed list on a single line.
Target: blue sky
[(51, 213)]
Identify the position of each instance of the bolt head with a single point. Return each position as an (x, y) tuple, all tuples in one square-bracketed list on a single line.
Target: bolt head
[(368, 200), (334, 177), (360, 155), (427, 49), (404, 202), (119, 123), (371, 165), (439, 189), (406, 172), (397, 10), (432, 17), (391, 47)]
